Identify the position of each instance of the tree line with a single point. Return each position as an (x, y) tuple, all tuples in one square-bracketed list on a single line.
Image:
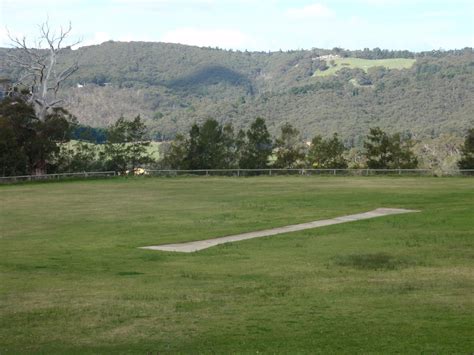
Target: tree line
[(29, 145), (215, 146)]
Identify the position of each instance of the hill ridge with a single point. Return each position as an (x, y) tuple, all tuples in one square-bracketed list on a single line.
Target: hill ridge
[(173, 86)]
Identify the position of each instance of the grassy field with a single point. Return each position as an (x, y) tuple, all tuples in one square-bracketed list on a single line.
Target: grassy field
[(73, 281), (365, 64), (153, 149)]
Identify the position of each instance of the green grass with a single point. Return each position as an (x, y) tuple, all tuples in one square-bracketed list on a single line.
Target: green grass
[(73, 281), (365, 64), (153, 149)]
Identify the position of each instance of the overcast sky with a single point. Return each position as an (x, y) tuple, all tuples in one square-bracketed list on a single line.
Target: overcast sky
[(253, 24)]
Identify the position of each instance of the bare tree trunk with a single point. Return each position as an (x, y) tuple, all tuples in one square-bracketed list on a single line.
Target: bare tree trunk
[(39, 68)]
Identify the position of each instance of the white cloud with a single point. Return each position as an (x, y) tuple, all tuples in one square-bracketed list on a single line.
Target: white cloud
[(310, 11), (223, 38)]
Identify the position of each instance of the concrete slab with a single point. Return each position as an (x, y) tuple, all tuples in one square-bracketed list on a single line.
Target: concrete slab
[(204, 244)]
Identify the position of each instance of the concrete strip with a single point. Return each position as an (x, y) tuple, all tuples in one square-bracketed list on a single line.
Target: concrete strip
[(204, 244)]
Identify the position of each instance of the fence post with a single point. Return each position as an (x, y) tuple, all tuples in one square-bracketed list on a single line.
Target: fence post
[(334, 171), (207, 172), (399, 171), (238, 172), (270, 172), (367, 172)]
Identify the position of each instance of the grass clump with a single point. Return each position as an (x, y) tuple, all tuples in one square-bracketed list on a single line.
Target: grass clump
[(375, 261)]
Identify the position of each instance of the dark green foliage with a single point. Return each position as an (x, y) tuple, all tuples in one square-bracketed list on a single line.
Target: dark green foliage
[(126, 146), (209, 75), (193, 149), (377, 53), (326, 153), (212, 146), (209, 146), (289, 149), (207, 149), (467, 151), (232, 145), (28, 145), (80, 156), (376, 261), (324, 84), (378, 152), (363, 79), (89, 134), (384, 151), (13, 160), (402, 154), (257, 147), (175, 154)]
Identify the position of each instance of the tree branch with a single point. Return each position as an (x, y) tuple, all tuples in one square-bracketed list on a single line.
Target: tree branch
[(39, 66)]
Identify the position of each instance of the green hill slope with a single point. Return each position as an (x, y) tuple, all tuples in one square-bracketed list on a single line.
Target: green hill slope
[(173, 86)]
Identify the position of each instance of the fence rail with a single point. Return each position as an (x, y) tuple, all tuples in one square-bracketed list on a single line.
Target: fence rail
[(338, 172), (244, 172), (84, 174)]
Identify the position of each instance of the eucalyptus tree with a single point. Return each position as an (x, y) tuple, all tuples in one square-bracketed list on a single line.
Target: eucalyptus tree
[(289, 149), (385, 151), (42, 67), (326, 153)]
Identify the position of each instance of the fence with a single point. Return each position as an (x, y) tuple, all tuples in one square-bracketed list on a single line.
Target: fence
[(309, 172), (246, 172), (85, 174)]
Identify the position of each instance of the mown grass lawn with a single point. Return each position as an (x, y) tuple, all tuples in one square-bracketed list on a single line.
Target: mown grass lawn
[(72, 279)]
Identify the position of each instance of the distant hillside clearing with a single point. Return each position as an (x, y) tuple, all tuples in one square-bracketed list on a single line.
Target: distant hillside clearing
[(338, 63)]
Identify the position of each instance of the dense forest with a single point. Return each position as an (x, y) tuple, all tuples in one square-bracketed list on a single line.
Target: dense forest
[(173, 86)]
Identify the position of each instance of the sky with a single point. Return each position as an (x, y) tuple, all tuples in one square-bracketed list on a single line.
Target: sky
[(254, 25)]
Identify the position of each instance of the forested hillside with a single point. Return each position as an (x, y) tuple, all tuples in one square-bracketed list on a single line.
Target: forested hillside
[(318, 91)]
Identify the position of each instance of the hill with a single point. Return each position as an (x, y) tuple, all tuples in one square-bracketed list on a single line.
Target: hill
[(319, 91)]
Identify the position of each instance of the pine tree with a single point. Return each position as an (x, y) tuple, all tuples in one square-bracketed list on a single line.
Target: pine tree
[(257, 147), (467, 152)]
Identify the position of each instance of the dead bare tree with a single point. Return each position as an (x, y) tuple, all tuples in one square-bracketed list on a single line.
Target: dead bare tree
[(40, 78)]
